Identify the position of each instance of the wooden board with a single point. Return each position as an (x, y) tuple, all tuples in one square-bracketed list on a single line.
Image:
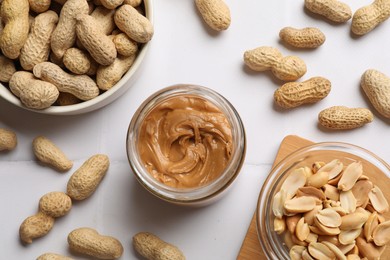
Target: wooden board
[(251, 248)]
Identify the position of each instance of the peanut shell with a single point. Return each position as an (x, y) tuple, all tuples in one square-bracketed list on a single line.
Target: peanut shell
[(47, 152), (344, 118), (308, 37), (215, 13), (85, 180), (376, 86)]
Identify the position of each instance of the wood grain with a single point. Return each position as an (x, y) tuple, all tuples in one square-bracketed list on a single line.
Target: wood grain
[(251, 248)]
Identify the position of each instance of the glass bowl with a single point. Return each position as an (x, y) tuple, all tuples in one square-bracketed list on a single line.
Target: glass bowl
[(194, 196), (274, 245), (104, 98)]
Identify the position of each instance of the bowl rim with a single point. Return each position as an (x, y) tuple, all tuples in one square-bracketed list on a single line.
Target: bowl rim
[(104, 98), (268, 249)]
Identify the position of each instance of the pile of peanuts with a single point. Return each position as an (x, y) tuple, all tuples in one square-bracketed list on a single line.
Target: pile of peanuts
[(81, 185), (331, 211), (66, 52)]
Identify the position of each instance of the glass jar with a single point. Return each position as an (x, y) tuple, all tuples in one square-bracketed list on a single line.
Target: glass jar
[(276, 246), (201, 195)]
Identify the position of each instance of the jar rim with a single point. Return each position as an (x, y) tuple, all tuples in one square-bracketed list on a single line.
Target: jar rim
[(268, 238), (187, 195)]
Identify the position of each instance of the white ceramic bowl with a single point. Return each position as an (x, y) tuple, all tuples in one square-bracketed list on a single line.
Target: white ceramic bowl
[(101, 100)]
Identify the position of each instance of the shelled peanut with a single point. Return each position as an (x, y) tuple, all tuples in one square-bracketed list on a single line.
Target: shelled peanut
[(331, 211), (67, 43)]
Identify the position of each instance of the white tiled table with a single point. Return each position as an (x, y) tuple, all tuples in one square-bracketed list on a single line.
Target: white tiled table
[(185, 51)]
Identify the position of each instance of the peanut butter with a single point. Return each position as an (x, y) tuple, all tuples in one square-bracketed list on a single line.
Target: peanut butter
[(185, 142)]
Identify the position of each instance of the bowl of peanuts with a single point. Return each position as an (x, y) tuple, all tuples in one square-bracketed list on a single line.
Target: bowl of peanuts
[(326, 201), (71, 57)]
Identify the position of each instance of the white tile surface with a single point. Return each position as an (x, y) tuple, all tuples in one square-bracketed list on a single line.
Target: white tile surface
[(185, 51)]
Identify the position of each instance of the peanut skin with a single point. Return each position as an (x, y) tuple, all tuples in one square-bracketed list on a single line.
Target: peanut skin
[(308, 37), (215, 13), (16, 26), (89, 242), (294, 94), (8, 140), (288, 68), (376, 86), (134, 24), (344, 118), (81, 86), (153, 248), (365, 19), (333, 10), (87, 178), (47, 152), (37, 47)]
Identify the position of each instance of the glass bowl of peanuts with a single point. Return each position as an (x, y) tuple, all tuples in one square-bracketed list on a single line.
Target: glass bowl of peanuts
[(76, 56), (326, 201)]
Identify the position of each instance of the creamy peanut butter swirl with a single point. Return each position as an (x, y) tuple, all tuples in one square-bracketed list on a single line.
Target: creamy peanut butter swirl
[(185, 142)]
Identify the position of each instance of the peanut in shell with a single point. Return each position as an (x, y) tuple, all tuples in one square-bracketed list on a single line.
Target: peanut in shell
[(344, 118)]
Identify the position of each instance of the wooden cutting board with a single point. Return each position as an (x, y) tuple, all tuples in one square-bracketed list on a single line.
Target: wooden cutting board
[(251, 248)]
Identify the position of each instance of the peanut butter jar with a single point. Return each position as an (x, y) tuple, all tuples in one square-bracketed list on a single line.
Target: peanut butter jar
[(186, 145)]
